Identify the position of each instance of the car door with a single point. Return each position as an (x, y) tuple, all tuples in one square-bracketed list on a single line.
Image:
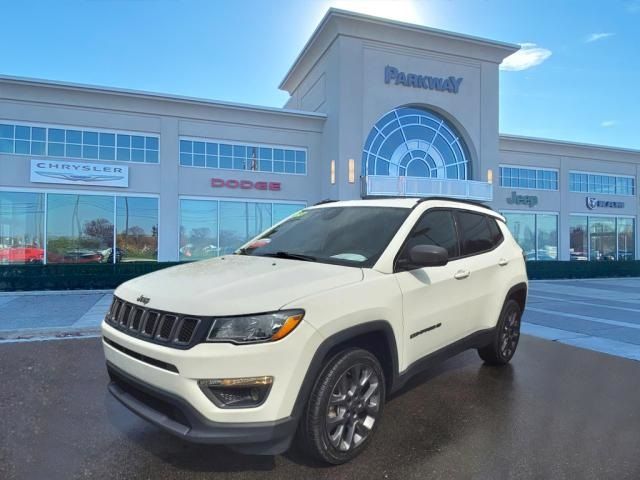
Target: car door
[(434, 300), (481, 262)]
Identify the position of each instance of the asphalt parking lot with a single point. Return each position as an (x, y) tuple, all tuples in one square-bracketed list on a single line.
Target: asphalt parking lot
[(567, 406), (556, 412)]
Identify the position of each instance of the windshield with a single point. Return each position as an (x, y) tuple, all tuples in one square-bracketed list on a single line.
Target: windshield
[(352, 236)]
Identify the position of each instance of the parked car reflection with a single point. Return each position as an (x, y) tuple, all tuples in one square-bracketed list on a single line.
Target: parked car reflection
[(22, 254)]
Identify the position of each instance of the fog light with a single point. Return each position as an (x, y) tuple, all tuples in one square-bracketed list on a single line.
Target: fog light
[(236, 392)]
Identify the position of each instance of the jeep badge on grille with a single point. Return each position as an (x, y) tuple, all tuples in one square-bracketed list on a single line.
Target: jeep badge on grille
[(142, 299)]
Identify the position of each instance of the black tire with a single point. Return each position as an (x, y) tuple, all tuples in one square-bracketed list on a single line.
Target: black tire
[(340, 419), (506, 338)]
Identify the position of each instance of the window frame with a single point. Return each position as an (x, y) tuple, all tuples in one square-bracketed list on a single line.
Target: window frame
[(101, 193), (536, 170), (247, 144), (460, 232), (82, 130), (454, 213), (596, 178), (400, 252)]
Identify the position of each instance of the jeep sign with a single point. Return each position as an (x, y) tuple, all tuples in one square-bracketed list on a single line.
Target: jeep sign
[(528, 200)]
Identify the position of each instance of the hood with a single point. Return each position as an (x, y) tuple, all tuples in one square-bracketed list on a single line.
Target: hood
[(235, 285)]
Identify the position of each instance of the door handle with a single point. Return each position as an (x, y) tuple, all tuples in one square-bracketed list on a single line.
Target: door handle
[(461, 274), (502, 262)]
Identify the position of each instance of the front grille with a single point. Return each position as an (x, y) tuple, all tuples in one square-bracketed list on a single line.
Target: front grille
[(165, 328)]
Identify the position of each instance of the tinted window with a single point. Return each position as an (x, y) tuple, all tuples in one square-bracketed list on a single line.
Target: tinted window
[(434, 228), (352, 236), (496, 233), (475, 233)]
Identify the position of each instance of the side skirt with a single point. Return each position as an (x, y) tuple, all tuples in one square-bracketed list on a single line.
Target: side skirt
[(475, 340)]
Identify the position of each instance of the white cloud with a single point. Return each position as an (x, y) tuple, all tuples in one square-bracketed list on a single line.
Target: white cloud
[(608, 123), (528, 56), (594, 37)]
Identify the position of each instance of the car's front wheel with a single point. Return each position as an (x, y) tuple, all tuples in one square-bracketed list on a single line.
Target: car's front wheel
[(506, 338), (345, 407)]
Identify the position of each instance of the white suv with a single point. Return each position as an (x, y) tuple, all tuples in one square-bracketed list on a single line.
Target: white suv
[(307, 328)]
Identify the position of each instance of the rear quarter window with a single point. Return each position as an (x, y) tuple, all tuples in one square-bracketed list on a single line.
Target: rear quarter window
[(477, 232)]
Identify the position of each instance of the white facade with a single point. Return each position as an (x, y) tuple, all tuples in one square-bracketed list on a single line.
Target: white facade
[(266, 161)]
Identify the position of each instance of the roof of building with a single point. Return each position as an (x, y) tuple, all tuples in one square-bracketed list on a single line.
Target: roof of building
[(550, 142), (157, 96), (328, 29)]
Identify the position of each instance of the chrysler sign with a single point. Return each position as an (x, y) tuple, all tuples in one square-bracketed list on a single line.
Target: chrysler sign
[(75, 173), (442, 84)]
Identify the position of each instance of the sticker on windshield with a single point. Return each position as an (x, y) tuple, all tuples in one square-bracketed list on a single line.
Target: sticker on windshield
[(260, 243), (354, 257)]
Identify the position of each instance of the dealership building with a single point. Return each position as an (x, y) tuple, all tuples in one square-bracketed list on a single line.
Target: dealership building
[(376, 108)]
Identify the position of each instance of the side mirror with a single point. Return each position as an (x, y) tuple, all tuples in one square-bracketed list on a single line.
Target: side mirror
[(428, 256)]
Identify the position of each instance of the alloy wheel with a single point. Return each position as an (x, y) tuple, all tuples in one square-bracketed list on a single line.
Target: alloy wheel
[(510, 334), (353, 407)]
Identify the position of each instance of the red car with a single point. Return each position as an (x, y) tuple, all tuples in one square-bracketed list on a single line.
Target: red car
[(23, 254)]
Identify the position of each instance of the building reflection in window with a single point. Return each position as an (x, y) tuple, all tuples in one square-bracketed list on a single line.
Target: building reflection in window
[(198, 229), (79, 228), (21, 228), (136, 230), (209, 228), (537, 234), (601, 238), (241, 221)]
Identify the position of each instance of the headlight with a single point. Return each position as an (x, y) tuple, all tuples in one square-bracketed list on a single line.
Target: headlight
[(255, 328)]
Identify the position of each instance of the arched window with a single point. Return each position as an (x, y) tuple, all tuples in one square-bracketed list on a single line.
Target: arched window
[(414, 142)]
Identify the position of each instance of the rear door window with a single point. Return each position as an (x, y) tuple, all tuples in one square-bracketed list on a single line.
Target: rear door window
[(435, 227), (475, 233)]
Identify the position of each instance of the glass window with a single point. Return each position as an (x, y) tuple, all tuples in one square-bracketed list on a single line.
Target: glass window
[(434, 228), (21, 227), (578, 246), (243, 157), (151, 143), (475, 233), (6, 131), (79, 228), (353, 236), (136, 230), (534, 178), (523, 228), (283, 210), (59, 142), (241, 221), (413, 130), (496, 233), (626, 239), (605, 184), (547, 237), (602, 238), (198, 229)]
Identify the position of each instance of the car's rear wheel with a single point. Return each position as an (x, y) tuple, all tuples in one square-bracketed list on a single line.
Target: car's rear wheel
[(345, 407), (506, 338)]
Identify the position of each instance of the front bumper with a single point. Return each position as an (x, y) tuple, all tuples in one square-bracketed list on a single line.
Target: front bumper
[(178, 417)]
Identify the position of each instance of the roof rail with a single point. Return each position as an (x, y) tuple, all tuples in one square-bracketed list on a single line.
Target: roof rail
[(326, 200), (460, 200)]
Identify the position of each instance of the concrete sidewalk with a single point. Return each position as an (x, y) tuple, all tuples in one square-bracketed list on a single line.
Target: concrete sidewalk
[(43, 315), (596, 314)]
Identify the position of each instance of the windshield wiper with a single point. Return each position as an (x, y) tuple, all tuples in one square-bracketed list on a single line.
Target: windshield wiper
[(291, 256)]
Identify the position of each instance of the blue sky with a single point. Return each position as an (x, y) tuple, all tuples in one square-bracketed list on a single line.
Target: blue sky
[(579, 80)]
